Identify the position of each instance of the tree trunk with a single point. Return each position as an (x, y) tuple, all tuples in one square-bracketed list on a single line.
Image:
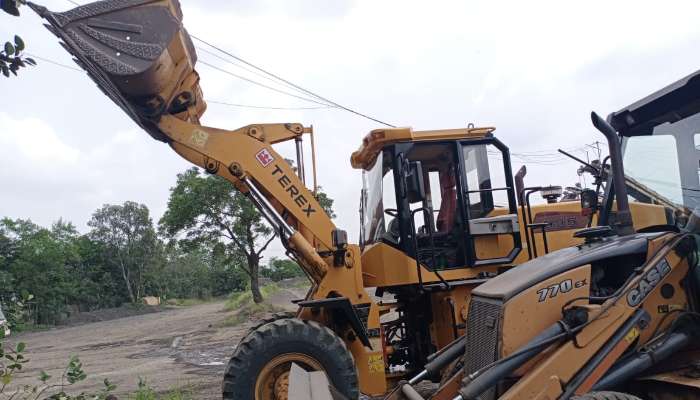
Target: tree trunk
[(128, 284), (254, 267)]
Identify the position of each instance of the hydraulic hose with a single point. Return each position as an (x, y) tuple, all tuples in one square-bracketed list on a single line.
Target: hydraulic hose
[(639, 362), (490, 377), (441, 359)]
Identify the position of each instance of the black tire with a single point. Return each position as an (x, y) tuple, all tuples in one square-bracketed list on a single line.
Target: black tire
[(289, 336), (267, 320), (606, 396)]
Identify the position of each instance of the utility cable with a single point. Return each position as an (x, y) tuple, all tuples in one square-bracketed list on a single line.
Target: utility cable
[(261, 84), (244, 68), (266, 107), (292, 84), (56, 63)]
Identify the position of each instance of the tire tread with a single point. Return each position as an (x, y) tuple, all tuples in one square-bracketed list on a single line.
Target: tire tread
[(279, 329)]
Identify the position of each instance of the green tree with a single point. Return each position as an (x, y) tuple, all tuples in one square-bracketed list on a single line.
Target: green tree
[(43, 265), (325, 202), (194, 272), (209, 210), (129, 240), (101, 284), (278, 269)]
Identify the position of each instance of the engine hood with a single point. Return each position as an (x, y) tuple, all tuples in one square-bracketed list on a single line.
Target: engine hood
[(514, 281)]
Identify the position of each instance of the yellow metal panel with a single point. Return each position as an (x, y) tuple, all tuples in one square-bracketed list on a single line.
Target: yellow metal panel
[(376, 140), (384, 265)]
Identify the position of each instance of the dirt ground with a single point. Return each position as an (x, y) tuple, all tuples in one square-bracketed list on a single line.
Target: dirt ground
[(174, 348)]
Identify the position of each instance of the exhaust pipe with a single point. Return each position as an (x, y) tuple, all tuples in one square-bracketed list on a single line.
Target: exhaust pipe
[(624, 218)]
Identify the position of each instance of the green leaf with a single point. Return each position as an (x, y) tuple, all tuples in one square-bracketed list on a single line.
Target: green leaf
[(9, 49), (19, 43), (43, 376), (30, 61), (109, 386), (10, 7), (21, 346), (5, 71), (6, 379)]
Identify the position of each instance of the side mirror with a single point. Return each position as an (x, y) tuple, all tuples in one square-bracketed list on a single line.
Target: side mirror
[(589, 201), (415, 187)]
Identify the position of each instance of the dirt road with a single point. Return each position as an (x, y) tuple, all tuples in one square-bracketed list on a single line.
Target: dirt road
[(178, 347)]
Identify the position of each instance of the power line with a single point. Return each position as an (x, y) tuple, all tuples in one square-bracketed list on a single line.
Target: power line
[(292, 84), (250, 70), (32, 55), (260, 84), (266, 107)]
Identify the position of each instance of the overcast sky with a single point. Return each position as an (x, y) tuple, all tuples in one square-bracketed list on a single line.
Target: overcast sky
[(534, 70)]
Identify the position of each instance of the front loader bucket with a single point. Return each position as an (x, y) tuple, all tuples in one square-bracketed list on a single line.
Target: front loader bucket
[(138, 53)]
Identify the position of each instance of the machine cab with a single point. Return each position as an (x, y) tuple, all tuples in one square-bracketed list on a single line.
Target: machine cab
[(444, 198)]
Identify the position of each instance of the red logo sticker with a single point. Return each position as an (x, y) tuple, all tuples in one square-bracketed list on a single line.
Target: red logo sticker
[(264, 157)]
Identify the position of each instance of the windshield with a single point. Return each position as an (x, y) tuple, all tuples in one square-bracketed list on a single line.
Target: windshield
[(662, 168), (374, 200)]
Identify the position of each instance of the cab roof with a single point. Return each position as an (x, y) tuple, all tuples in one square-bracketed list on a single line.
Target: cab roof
[(673, 103), (375, 141)]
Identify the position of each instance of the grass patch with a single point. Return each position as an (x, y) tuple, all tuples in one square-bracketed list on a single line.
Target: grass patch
[(249, 311), (240, 300), (243, 307), (300, 283)]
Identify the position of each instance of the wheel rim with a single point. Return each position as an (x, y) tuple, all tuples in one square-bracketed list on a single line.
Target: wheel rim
[(273, 380)]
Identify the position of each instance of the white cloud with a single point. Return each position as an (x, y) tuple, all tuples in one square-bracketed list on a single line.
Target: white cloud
[(33, 140)]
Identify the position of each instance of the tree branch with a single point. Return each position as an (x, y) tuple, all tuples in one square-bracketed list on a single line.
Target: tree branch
[(262, 249)]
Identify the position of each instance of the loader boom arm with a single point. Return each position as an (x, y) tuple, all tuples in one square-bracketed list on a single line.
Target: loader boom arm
[(139, 54), (246, 158)]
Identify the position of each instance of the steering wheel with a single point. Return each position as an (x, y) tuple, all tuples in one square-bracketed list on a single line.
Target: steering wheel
[(393, 232)]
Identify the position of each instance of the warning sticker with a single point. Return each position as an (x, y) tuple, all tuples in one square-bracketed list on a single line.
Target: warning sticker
[(632, 335), (199, 138), (375, 363)]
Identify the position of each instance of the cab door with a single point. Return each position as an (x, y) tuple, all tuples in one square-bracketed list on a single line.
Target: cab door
[(488, 205)]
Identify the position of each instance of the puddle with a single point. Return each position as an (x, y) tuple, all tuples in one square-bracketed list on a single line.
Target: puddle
[(212, 363)]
